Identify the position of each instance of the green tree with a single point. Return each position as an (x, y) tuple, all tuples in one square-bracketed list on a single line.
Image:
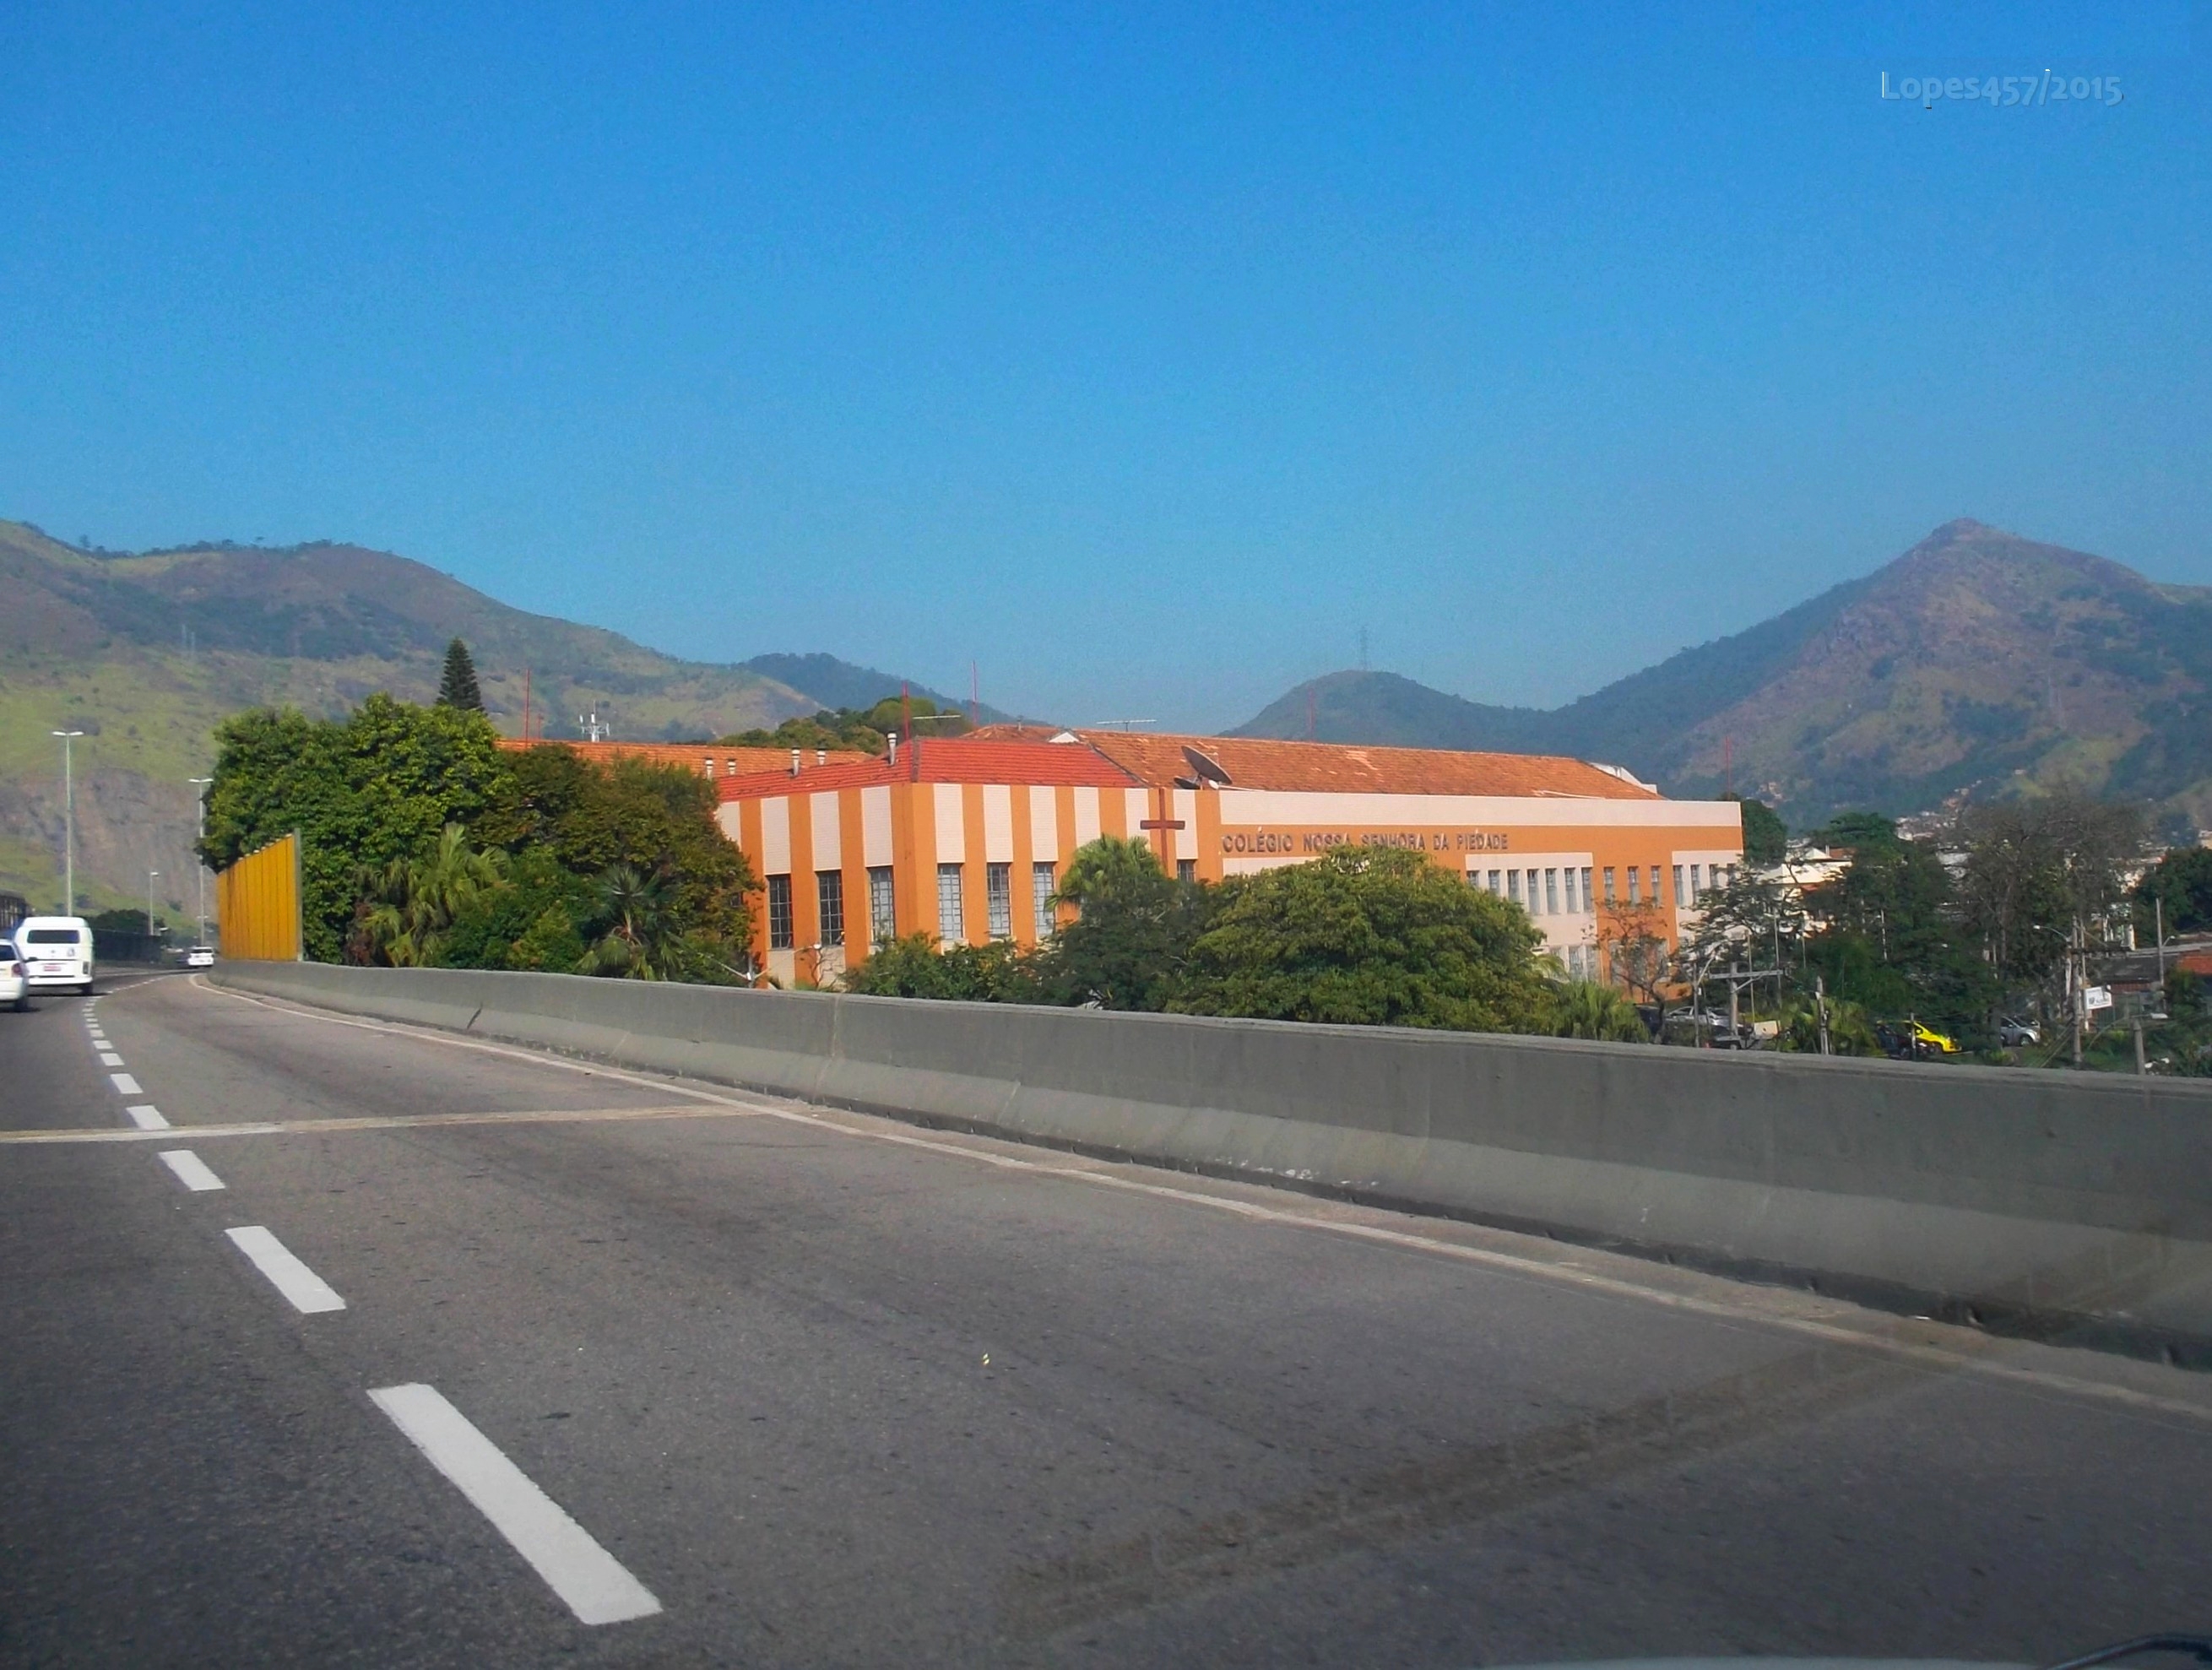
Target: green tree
[(1133, 932), (457, 688), (2181, 883), (1893, 940), (1585, 1009), (378, 785), (913, 967), (405, 907), (1370, 935), (1766, 837)]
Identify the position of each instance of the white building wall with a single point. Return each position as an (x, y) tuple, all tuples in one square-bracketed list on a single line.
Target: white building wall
[(998, 823), (1086, 817), (951, 824), (829, 848), (875, 826), (775, 836), (1044, 825)]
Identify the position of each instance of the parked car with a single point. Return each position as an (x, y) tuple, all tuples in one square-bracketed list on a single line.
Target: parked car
[(200, 957), (2017, 1034), (56, 952), (14, 979), (1908, 1039)]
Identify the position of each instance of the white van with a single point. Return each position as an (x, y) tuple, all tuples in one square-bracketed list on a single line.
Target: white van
[(56, 952)]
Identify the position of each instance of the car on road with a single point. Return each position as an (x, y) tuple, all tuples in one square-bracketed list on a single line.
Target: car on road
[(14, 980), (2016, 1034), (56, 952), (200, 957)]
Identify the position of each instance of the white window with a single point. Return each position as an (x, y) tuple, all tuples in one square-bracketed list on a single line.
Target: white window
[(1587, 906), (882, 907), (998, 899), (1679, 900), (1609, 883), (1634, 875), (949, 927), (1513, 885), (1695, 891), (1041, 886), (1496, 885), (1571, 910), (1551, 893)]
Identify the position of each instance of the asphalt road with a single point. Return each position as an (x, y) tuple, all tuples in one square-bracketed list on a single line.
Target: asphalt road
[(824, 1389)]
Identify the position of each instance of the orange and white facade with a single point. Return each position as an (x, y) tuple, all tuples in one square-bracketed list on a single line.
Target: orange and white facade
[(965, 838)]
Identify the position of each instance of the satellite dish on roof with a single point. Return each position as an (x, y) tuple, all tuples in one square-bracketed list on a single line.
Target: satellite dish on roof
[(1207, 770)]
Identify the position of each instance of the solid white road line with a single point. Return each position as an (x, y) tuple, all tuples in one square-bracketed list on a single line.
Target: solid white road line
[(124, 1083), (307, 1291), (108, 1058), (147, 1117), (594, 1584), (191, 1170)]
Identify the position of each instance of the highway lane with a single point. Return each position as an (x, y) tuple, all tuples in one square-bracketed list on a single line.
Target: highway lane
[(835, 1390)]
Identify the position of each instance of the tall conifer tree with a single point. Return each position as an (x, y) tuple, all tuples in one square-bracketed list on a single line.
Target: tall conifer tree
[(458, 689)]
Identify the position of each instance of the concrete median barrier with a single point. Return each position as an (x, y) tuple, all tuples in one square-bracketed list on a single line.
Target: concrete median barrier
[(2063, 1206)]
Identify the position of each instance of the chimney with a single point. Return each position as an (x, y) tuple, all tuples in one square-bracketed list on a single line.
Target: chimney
[(795, 763), (822, 757), (892, 741)]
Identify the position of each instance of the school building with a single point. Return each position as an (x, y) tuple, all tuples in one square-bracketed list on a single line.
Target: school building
[(966, 837), (707, 759)]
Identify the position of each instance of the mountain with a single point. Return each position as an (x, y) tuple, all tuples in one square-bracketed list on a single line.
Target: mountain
[(1978, 660), (833, 683), (147, 651)]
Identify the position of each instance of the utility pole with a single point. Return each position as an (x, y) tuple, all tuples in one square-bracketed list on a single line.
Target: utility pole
[(1820, 1003), (2158, 905), (150, 874), (69, 821), (199, 863)]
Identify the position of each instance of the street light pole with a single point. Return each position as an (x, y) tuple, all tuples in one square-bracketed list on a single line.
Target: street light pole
[(199, 863), (69, 821), (150, 874)]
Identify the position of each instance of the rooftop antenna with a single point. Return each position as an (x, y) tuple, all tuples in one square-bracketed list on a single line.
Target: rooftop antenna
[(593, 730)]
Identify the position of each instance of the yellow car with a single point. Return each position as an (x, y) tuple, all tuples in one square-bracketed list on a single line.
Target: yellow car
[(1927, 1038)]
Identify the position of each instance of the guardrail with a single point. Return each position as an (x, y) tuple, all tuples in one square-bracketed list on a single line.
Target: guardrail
[(2063, 1206)]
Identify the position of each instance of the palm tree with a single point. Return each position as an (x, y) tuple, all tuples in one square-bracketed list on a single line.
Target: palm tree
[(641, 940), (1584, 1009), (407, 905)]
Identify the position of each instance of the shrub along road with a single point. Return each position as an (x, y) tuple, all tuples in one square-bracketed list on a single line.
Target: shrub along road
[(381, 1347)]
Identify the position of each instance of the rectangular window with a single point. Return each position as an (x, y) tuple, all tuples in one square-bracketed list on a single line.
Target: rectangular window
[(1186, 870), (779, 912), (882, 905), (1679, 898), (830, 899), (949, 904), (1041, 886), (1568, 874), (1695, 891), (710, 765), (1495, 885), (1655, 883), (998, 899), (1513, 885), (1609, 883), (1634, 875), (1587, 906), (1551, 893)]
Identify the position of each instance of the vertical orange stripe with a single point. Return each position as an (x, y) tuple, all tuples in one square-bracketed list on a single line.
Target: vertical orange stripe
[(913, 842), (853, 859), (975, 910), (805, 918), (1025, 903)]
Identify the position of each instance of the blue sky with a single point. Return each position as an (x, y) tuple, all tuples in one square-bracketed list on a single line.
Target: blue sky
[(1142, 358)]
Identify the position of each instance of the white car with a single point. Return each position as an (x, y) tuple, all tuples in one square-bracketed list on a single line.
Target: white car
[(2013, 1033), (15, 983), (200, 957), (56, 952)]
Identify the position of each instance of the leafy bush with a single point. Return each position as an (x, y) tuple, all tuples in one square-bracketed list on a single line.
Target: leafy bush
[(1584, 1009)]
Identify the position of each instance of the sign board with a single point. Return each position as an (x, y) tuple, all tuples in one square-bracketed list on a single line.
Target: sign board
[(2096, 997)]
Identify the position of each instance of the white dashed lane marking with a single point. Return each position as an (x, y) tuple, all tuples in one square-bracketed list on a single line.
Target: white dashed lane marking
[(191, 1170), (309, 1292), (108, 1058), (595, 1585), (147, 1117), (124, 1083)]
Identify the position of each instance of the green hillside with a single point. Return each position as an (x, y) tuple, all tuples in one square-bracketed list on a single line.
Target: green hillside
[(146, 652)]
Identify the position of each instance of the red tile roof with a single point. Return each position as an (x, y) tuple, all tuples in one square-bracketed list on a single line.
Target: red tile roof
[(945, 760), (691, 756), (1340, 768)]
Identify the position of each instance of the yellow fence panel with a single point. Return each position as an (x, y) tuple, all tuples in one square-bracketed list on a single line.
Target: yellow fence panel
[(258, 903)]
